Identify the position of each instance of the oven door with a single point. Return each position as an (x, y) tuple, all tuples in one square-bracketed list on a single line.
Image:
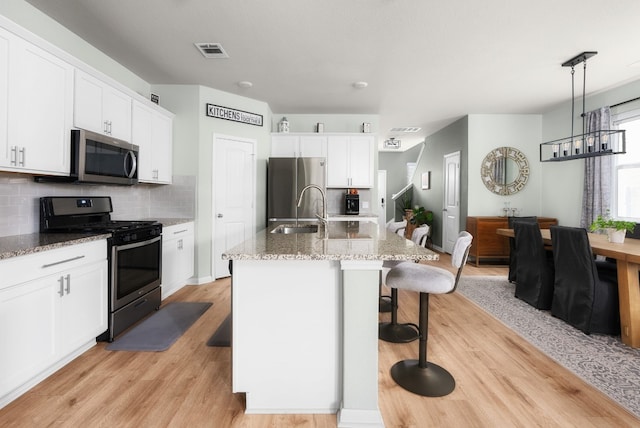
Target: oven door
[(135, 270)]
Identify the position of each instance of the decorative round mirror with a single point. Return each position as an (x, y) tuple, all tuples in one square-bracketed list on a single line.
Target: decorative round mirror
[(505, 170)]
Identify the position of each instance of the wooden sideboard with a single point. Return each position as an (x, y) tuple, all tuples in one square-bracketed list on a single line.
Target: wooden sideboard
[(489, 245)]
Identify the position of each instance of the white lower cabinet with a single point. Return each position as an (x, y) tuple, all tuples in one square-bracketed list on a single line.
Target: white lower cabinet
[(53, 304), (177, 257)]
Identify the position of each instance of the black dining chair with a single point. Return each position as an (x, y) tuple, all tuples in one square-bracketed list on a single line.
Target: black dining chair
[(513, 260), (582, 296), (535, 271)]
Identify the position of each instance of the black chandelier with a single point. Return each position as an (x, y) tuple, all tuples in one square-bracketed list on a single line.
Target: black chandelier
[(587, 144)]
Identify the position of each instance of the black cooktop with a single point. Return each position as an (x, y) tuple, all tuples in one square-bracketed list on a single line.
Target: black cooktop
[(78, 214), (108, 226)]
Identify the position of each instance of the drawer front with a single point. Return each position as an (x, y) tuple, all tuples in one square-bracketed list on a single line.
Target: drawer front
[(177, 230), (20, 269)]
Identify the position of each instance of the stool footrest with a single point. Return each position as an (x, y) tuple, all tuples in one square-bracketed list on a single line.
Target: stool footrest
[(398, 333), (429, 381)]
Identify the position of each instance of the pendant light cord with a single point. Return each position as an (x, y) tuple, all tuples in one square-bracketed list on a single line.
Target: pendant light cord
[(584, 89), (573, 102)]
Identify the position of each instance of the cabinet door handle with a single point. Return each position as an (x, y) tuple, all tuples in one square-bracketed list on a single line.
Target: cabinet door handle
[(109, 125), (14, 155), (22, 158), (184, 230), (61, 281), (62, 261), (106, 127), (180, 245), (68, 278)]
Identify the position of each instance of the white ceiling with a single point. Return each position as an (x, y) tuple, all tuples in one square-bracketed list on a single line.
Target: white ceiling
[(427, 62)]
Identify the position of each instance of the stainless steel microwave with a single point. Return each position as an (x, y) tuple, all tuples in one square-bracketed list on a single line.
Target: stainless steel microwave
[(97, 158)]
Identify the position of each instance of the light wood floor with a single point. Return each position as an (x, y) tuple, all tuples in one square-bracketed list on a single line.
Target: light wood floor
[(501, 380)]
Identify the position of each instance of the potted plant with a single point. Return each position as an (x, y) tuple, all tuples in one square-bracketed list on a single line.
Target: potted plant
[(616, 229), (422, 216), (417, 217), (405, 206)]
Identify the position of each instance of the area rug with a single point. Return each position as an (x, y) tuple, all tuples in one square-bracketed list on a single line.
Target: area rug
[(159, 331), (601, 360), (222, 336)]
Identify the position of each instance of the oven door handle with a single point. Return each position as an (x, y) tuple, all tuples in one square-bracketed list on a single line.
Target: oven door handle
[(134, 164), (136, 244)]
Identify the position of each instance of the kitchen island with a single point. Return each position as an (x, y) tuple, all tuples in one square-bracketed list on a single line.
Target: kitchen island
[(305, 319)]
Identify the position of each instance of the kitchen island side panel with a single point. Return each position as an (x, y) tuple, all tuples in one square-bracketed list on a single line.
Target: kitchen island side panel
[(286, 335)]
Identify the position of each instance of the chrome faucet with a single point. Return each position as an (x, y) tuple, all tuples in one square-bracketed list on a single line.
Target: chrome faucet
[(324, 217)]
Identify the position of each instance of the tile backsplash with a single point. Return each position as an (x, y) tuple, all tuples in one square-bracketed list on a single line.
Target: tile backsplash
[(19, 196)]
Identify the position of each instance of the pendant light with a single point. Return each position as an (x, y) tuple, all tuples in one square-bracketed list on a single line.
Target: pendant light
[(587, 144)]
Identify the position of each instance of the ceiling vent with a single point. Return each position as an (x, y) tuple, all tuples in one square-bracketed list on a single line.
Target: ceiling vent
[(211, 50), (406, 129)]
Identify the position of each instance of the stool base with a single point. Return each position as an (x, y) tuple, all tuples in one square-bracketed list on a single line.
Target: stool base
[(430, 381), (397, 333)]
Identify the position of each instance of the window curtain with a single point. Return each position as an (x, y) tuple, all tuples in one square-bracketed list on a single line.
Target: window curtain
[(596, 197)]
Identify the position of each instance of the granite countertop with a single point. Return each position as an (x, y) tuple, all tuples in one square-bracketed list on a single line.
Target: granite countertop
[(166, 222), (340, 240), (343, 217), (20, 245)]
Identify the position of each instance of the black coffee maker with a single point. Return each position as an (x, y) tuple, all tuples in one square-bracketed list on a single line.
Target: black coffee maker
[(352, 204)]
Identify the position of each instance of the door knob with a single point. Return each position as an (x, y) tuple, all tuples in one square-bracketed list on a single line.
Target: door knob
[(220, 215)]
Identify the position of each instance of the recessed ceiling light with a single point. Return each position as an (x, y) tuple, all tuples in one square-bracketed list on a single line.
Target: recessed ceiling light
[(360, 85), (245, 84)]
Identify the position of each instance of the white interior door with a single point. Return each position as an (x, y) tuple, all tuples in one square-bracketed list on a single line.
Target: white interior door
[(451, 210), (234, 196), (382, 198)]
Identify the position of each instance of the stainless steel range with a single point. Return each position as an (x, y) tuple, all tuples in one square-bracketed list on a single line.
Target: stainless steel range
[(135, 254)]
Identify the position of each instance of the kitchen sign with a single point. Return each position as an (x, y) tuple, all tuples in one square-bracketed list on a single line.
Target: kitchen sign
[(234, 115)]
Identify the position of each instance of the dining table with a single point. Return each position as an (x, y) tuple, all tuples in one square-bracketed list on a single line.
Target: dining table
[(627, 256)]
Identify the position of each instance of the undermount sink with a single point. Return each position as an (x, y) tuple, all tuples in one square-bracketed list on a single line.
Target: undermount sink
[(288, 229)]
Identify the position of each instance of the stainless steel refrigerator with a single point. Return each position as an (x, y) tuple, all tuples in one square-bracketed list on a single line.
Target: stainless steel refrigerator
[(286, 177)]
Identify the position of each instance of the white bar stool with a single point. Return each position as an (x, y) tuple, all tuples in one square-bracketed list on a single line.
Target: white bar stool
[(420, 376), (393, 331)]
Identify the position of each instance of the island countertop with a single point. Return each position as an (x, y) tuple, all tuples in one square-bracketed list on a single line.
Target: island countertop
[(338, 240)]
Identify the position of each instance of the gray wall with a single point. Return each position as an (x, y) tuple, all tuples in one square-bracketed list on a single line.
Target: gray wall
[(395, 163), (448, 140), (193, 154)]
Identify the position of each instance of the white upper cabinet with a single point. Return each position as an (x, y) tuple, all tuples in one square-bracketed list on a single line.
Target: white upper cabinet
[(298, 146), (4, 96), (350, 161), (152, 131), (313, 146), (101, 108), (36, 108)]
